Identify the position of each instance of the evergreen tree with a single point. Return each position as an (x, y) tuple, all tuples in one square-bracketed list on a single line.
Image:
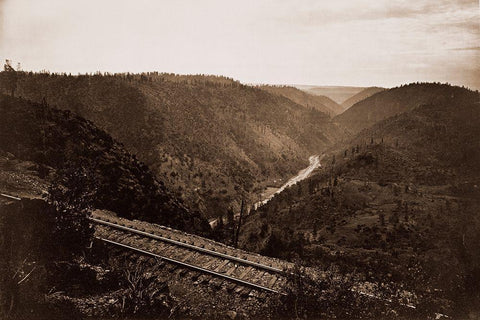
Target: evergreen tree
[(9, 78)]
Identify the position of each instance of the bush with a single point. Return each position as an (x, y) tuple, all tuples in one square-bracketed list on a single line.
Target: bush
[(144, 295), (72, 193), (332, 297)]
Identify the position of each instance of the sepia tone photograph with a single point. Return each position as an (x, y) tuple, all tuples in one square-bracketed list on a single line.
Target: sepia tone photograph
[(239, 160)]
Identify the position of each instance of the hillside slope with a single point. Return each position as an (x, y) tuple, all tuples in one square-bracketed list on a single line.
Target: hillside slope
[(399, 202), (45, 144), (368, 92), (320, 103), (329, 103), (388, 103), (336, 93), (210, 139)]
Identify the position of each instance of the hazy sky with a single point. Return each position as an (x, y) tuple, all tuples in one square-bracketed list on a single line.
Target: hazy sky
[(324, 42)]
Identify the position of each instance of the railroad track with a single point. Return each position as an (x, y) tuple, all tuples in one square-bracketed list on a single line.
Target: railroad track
[(204, 260), (207, 261)]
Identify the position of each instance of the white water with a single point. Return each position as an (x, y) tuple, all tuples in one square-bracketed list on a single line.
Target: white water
[(302, 174)]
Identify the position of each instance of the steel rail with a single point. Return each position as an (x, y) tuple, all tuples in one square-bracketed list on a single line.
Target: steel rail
[(189, 246), (178, 243), (191, 266), (10, 197)]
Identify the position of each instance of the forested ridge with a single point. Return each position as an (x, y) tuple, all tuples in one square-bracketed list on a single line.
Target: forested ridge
[(362, 95), (397, 203), (65, 149), (387, 103), (210, 139)]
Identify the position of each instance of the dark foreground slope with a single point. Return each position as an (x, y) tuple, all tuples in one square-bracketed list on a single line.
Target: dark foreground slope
[(210, 139), (388, 103), (320, 103), (63, 146), (398, 203)]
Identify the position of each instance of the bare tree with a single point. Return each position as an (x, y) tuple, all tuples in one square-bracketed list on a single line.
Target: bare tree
[(239, 225)]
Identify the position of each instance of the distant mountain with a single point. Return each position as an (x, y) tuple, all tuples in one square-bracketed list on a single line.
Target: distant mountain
[(210, 139), (337, 93), (320, 103), (60, 143), (360, 96), (397, 100)]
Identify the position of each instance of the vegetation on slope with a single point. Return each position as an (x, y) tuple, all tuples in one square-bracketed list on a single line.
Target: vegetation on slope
[(61, 144), (362, 95), (388, 103), (210, 139), (398, 204)]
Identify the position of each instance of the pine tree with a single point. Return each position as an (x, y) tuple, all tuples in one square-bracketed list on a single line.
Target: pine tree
[(9, 78)]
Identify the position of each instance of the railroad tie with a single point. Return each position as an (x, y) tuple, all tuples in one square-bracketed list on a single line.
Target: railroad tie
[(258, 276), (210, 263), (221, 265), (245, 272), (120, 236), (231, 270), (272, 281), (188, 256)]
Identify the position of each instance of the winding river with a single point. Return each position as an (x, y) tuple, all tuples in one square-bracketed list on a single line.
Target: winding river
[(302, 174)]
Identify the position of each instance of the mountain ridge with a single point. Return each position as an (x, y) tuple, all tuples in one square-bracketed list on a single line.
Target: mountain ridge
[(385, 104), (360, 96), (212, 140), (321, 103)]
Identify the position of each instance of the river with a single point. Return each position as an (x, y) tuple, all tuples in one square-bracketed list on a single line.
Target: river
[(302, 174)]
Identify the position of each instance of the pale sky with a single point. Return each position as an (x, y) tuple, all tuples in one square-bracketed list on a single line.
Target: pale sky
[(334, 42)]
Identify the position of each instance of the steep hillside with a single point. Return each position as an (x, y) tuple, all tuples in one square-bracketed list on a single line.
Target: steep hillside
[(336, 93), (360, 96), (210, 139), (398, 203), (40, 144), (397, 100), (320, 103), (329, 103), (440, 138)]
